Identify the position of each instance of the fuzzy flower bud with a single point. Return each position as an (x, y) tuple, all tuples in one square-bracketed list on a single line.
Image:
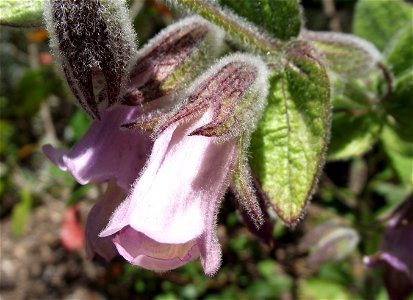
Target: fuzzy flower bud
[(172, 59), (94, 43)]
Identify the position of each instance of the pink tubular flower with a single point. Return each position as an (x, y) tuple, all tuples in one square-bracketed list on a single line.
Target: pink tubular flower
[(96, 69), (169, 218)]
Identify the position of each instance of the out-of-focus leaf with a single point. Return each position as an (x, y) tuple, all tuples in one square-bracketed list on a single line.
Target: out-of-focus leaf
[(400, 106), (33, 88), (329, 242), (345, 54), (79, 123), (378, 21), (353, 135), (77, 194), (315, 288), (399, 53), (289, 145), (7, 147), (21, 13), (400, 154), (281, 19), (21, 212)]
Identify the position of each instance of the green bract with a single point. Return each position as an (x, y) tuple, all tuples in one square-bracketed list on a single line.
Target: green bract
[(281, 19), (288, 148)]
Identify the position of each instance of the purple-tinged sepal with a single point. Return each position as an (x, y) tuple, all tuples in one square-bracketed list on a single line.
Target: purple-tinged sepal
[(172, 59), (94, 45), (235, 88)]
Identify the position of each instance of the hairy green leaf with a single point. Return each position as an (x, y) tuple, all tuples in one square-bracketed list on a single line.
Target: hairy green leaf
[(399, 53), (400, 106), (21, 13), (289, 145), (345, 54), (281, 19), (353, 135), (378, 21)]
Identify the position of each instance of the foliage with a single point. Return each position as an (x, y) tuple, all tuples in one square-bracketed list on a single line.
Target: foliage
[(332, 100)]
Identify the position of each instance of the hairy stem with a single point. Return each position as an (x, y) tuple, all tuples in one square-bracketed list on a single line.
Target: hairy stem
[(231, 25)]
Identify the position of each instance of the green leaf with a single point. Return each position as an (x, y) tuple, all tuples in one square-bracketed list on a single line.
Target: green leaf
[(399, 53), (377, 21), (21, 13), (353, 135), (33, 88), (345, 54), (314, 288), (400, 154), (289, 145), (281, 19), (400, 106), (21, 212)]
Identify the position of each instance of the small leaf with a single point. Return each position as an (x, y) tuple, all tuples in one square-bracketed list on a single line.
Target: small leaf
[(345, 54), (281, 19), (400, 154), (400, 106), (353, 135), (399, 53), (21, 212), (289, 146), (378, 21), (21, 13)]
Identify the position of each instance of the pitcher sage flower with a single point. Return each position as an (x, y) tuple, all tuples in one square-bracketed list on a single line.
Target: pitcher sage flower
[(169, 218)]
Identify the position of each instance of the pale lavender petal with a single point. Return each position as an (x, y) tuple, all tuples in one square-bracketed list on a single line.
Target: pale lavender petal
[(97, 220), (147, 253), (178, 195), (106, 151)]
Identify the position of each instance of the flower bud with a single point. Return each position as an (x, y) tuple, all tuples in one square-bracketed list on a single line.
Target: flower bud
[(93, 42), (172, 59), (236, 88)]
